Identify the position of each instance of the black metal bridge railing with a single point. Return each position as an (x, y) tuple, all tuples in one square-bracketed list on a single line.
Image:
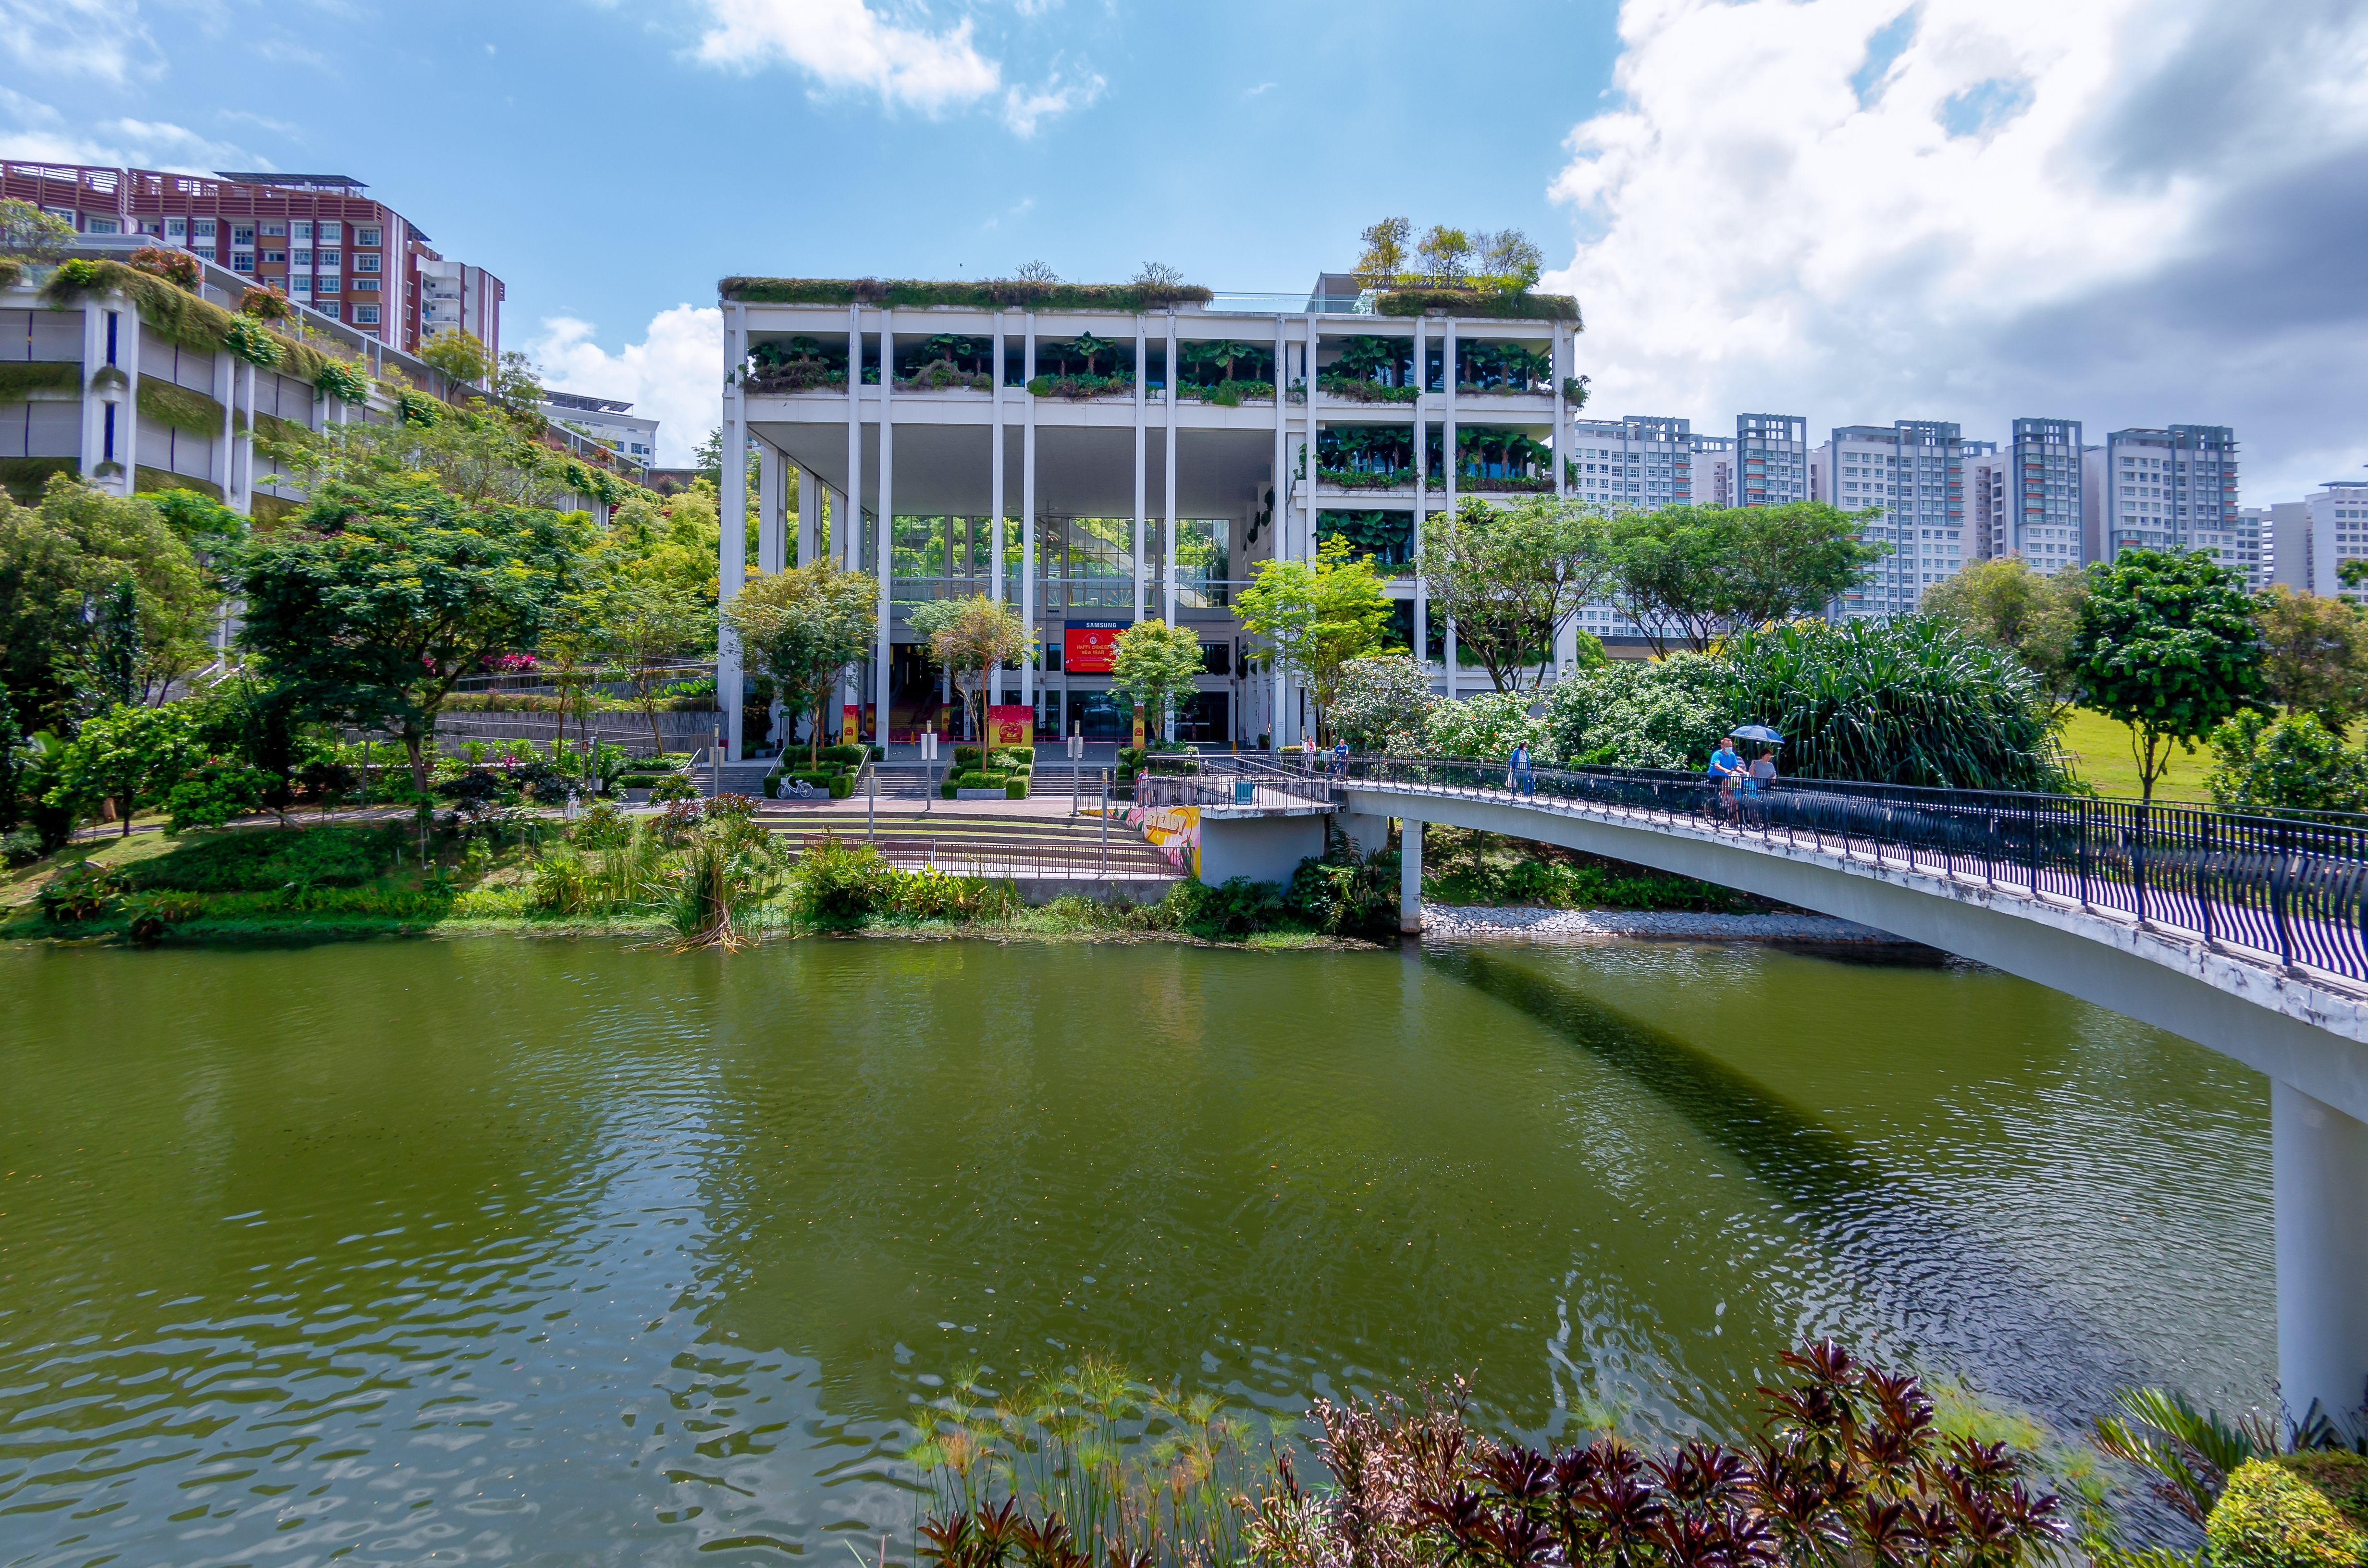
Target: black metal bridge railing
[(2290, 889)]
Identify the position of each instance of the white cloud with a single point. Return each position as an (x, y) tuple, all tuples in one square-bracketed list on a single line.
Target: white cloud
[(674, 375), (41, 134), (844, 43), (2096, 210), (1022, 107), (87, 37)]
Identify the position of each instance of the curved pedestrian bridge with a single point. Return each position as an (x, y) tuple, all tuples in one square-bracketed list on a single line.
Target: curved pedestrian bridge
[(2247, 934)]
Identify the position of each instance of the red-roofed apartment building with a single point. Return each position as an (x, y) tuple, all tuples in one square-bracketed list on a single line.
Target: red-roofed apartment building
[(318, 238)]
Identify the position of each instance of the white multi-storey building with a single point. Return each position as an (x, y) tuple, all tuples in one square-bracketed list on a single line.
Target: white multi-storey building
[(609, 422), (2159, 490), (1097, 456), (1640, 461), (2337, 514), (2040, 520), (1771, 459), (2286, 543), (1910, 476), (1714, 466)]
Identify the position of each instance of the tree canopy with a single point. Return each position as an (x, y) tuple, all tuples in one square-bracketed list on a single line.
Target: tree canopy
[(1316, 615), (2168, 644), (1689, 574), (970, 639), (1158, 665), (1512, 577), (2030, 615), (803, 627), (380, 596), (2314, 655)]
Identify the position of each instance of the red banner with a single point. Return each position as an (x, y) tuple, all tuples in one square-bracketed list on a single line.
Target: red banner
[(1087, 646), (1013, 724)]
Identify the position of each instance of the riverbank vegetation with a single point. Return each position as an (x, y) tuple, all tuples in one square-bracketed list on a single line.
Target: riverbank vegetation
[(1084, 1467)]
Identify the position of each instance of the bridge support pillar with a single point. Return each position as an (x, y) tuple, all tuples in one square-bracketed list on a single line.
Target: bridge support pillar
[(2319, 1167), (1410, 878)]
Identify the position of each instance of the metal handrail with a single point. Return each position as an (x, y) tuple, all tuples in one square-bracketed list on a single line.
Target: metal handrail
[(2294, 890)]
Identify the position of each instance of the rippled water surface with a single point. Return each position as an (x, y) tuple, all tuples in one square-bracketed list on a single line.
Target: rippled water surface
[(544, 1252)]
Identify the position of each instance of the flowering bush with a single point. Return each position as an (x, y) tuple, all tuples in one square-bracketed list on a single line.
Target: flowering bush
[(177, 267)]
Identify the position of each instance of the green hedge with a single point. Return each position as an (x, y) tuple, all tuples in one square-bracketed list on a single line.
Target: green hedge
[(1479, 303), (975, 779), (1126, 299), (24, 478), (146, 481), (183, 408), (2307, 1510), (849, 754), (18, 377), (177, 315)]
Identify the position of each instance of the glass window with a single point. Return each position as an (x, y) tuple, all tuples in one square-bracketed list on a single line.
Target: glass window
[(242, 261), (366, 236), (328, 259), (328, 307), (328, 233), (365, 315), (300, 232), (365, 264), (276, 257), (302, 258), (275, 230), (242, 234), (203, 228)]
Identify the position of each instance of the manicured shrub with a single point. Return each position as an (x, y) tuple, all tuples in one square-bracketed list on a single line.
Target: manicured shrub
[(842, 785), (332, 855), (2298, 1511), (966, 759), (1016, 787), (842, 881)]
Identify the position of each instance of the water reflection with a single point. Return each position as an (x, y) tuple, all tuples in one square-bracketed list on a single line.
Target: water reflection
[(545, 1250)]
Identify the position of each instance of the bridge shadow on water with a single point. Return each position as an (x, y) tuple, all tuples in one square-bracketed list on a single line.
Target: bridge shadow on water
[(1918, 1280)]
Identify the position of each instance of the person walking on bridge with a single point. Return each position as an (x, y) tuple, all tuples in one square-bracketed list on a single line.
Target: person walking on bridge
[(1725, 770), (1520, 781)]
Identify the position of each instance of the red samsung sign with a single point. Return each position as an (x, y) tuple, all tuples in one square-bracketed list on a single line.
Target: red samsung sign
[(1086, 645)]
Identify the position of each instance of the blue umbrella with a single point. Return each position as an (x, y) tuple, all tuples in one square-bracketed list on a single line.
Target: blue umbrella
[(1758, 732)]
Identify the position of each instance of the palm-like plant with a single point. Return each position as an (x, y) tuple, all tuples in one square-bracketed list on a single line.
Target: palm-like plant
[(2187, 1453)]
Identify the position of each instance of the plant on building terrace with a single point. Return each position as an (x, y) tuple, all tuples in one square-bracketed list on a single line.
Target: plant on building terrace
[(177, 267), (1365, 457), (802, 364), (998, 293), (1501, 459)]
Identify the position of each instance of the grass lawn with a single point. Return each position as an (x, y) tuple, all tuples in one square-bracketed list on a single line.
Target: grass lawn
[(2100, 749)]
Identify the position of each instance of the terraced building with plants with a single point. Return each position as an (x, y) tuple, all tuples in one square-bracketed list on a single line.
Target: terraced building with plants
[(1096, 455)]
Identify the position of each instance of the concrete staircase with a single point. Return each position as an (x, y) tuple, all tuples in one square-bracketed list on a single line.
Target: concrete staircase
[(978, 843)]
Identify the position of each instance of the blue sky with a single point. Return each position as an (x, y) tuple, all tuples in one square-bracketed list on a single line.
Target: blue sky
[(2126, 212)]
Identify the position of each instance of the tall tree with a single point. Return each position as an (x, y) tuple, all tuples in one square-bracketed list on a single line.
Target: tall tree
[(1383, 260), (1688, 575), (1512, 578), (1158, 665), (640, 622), (64, 565), (803, 626), (2168, 644), (2314, 655), (2030, 615), (379, 597), (130, 755), (970, 640), (1317, 616)]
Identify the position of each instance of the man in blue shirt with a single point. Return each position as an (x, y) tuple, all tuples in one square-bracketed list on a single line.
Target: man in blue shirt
[(1725, 770)]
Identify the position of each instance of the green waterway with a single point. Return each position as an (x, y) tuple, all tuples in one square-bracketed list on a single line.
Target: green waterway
[(558, 1252)]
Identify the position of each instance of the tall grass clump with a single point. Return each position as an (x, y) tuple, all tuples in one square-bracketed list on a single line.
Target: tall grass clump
[(1095, 1471), (1910, 701)]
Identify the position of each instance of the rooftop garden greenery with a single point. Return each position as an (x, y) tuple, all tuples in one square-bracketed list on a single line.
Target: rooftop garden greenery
[(1503, 368), (18, 377), (992, 294), (1365, 457), (1387, 537), (799, 364), (948, 359), (181, 317)]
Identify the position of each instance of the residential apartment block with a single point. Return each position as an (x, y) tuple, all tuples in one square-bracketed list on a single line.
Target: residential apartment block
[(2167, 489), (1910, 476), (1638, 460), (2283, 528), (1101, 461), (2336, 516), (1771, 459), (320, 239), (2041, 519), (1713, 470)]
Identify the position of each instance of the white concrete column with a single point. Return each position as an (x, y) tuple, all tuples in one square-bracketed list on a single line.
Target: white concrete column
[(2318, 1159), (1167, 560), (1448, 476), (1029, 612), (847, 520), (1140, 342), (226, 386), (884, 530), (1410, 876), (1560, 416), (772, 519), (93, 403), (732, 517), (809, 515), (127, 432), (1421, 649), (243, 448), (995, 465), (1279, 514), (1028, 468)]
